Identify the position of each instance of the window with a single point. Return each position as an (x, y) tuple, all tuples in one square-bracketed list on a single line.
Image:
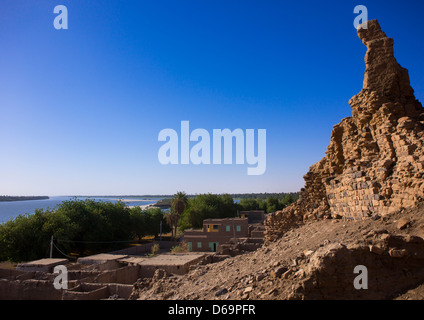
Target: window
[(199, 245), (238, 228), (227, 228), (212, 228), (190, 246)]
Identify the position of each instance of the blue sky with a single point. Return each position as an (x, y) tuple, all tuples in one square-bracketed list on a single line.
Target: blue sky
[(81, 109)]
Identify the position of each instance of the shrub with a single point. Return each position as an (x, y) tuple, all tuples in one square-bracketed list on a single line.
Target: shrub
[(155, 249), (183, 247)]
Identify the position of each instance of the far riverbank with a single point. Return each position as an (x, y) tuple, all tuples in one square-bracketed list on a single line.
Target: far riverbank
[(22, 198)]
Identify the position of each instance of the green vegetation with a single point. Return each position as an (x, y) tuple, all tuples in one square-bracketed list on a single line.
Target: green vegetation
[(264, 196), (81, 227), (212, 206), (167, 200), (178, 205), (181, 248), (155, 250), (166, 203), (147, 222), (270, 204), (207, 206)]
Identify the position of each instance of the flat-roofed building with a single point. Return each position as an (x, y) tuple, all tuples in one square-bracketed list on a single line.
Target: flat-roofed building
[(42, 265), (253, 216), (216, 232)]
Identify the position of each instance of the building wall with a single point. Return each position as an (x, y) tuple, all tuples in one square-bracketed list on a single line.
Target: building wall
[(211, 237), (87, 291), (29, 290), (253, 216), (124, 275)]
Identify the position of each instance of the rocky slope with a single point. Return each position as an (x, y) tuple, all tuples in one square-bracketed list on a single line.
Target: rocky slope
[(313, 261), (374, 164)]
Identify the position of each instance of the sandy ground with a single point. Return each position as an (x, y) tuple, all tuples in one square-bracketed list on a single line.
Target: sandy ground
[(144, 207)]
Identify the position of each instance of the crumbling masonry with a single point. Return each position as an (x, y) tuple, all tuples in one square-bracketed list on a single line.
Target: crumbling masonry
[(374, 164)]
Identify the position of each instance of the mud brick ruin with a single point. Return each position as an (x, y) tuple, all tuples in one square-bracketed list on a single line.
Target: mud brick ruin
[(374, 164)]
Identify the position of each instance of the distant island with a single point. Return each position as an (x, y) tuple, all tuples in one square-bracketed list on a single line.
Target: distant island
[(23, 198)]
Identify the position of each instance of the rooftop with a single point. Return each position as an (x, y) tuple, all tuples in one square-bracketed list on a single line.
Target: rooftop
[(44, 265), (44, 262), (224, 219), (101, 258), (171, 259)]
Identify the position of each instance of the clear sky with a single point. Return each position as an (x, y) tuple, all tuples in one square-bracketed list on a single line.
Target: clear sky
[(81, 109)]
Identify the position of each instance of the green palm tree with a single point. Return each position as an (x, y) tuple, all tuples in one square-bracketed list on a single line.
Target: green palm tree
[(171, 220), (178, 205)]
